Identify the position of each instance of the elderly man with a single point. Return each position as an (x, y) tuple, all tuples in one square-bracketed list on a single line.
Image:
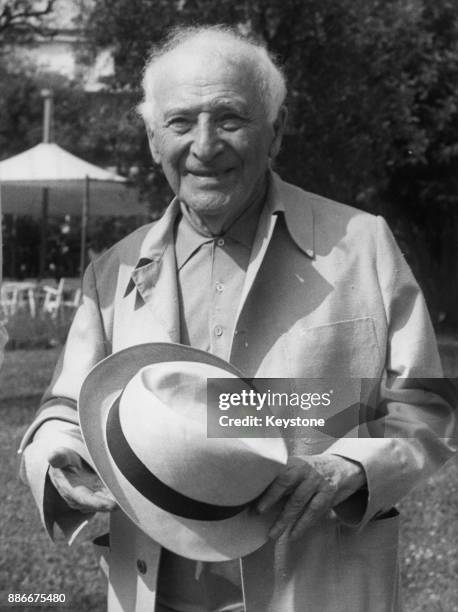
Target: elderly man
[(281, 283)]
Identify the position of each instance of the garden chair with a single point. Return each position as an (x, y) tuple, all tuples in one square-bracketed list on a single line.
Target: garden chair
[(9, 297), (18, 294), (67, 294)]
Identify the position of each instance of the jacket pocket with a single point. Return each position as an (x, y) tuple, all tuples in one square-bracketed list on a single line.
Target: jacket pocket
[(344, 349), (333, 359)]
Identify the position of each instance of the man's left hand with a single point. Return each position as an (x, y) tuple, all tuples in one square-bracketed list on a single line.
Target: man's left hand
[(311, 486)]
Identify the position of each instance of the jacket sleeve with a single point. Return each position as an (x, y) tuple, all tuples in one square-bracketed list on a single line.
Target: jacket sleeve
[(413, 431), (3, 332), (56, 422), (3, 339)]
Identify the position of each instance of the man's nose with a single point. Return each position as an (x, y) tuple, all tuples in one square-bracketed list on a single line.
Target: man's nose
[(206, 143)]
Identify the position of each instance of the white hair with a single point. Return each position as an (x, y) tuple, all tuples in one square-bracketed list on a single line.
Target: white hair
[(271, 80)]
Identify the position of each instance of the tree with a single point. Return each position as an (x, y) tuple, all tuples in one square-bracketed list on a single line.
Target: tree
[(20, 18)]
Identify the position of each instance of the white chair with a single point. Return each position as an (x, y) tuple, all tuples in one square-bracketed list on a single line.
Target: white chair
[(67, 294), (9, 299), (18, 294)]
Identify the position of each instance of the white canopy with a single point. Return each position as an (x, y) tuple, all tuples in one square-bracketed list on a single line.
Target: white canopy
[(47, 180), (47, 162), (23, 176)]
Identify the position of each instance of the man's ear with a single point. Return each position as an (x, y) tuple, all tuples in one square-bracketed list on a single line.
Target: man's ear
[(152, 145), (279, 129)]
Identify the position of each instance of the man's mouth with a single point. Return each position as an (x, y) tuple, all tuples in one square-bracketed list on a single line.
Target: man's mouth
[(215, 174)]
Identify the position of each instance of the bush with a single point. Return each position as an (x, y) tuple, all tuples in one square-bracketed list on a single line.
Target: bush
[(40, 332)]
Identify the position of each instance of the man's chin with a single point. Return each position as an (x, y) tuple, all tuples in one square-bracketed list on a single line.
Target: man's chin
[(209, 204)]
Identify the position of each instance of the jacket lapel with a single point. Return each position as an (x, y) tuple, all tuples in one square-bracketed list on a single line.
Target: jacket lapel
[(287, 199), (154, 279)]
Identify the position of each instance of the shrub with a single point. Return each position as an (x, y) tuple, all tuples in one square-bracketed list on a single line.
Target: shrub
[(39, 332)]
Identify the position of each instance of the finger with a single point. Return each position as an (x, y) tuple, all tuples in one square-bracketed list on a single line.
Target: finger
[(83, 499), (81, 490), (283, 484), (63, 457), (318, 506), (292, 510), (105, 494)]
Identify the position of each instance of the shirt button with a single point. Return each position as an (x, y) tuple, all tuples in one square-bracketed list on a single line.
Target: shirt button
[(219, 287), (218, 330), (220, 242), (141, 566)]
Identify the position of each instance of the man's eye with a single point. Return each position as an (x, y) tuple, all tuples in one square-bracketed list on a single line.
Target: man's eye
[(179, 124), (230, 123)]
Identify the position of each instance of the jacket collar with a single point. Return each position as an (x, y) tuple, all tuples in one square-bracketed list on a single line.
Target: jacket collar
[(296, 205), (282, 197), (155, 244)]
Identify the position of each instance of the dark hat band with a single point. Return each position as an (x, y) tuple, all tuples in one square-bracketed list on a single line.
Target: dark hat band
[(153, 489)]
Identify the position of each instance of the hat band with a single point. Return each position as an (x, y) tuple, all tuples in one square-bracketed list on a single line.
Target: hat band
[(149, 485)]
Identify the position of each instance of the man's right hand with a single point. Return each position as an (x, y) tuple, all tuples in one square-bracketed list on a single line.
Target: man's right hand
[(77, 484)]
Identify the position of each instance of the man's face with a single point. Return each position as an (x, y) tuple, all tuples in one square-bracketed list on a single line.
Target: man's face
[(210, 133)]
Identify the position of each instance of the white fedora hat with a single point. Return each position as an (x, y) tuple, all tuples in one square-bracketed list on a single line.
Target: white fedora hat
[(143, 414)]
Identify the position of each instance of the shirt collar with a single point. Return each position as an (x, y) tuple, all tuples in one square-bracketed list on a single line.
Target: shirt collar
[(189, 237)]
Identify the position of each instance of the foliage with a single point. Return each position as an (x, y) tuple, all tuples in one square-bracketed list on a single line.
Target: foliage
[(42, 332), (99, 127), (18, 18), (22, 241), (20, 113)]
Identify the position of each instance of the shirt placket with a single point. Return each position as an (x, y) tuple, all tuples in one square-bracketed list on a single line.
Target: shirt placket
[(220, 311)]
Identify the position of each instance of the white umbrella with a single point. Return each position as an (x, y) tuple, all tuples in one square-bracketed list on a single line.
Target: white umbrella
[(47, 162), (46, 179)]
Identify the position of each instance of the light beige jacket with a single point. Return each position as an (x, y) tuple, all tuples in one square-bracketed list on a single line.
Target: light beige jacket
[(339, 301), (3, 333)]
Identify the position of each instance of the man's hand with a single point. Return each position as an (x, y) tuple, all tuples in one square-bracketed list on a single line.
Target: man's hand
[(77, 484), (311, 487)]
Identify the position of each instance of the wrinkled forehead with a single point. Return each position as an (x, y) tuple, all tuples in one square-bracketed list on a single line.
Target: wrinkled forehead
[(192, 71)]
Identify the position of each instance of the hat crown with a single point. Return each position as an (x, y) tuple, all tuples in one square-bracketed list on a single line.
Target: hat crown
[(163, 416)]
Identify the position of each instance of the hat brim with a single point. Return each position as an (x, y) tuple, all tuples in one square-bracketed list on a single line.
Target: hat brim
[(201, 540)]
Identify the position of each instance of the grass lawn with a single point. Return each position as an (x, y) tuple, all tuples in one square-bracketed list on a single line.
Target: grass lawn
[(30, 563)]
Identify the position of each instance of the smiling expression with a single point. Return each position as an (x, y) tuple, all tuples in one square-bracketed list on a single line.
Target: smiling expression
[(211, 134)]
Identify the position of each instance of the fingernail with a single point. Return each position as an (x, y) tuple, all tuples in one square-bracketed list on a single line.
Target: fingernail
[(103, 495)]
